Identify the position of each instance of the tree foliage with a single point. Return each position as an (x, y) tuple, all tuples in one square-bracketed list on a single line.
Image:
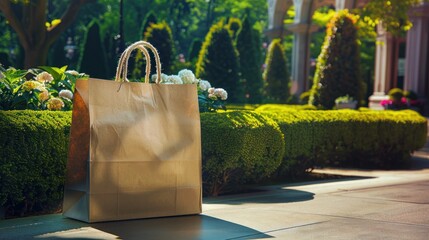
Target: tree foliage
[(338, 65), (392, 14), (276, 75), (218, 62)]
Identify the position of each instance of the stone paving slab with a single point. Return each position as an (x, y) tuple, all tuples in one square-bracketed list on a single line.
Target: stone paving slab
[(369, 205)]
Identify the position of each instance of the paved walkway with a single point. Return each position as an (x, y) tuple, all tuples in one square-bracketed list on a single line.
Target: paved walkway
[(366, 205)]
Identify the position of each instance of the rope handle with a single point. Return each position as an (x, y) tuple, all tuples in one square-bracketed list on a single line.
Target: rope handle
[(122, 69)]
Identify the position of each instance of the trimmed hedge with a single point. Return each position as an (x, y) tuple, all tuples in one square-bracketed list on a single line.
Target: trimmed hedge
[(383, 139), (238, 146), (33, 156)]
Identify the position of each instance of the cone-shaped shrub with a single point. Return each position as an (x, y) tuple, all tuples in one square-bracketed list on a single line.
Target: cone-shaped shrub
[(249, 63), (218, 62), (160, 36), (93, 60), (276, 75), (337, 70)]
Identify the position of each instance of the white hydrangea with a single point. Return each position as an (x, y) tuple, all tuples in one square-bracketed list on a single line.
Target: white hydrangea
[(66, 94), (221, 93), (44, 77), (204, 85), (174, 79), (187, 76), (211, 90), (163, 78)]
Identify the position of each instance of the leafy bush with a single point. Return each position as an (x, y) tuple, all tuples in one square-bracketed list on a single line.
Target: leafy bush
[(32, 160), (276, 75), (238, 146), (345, 137), (337, 70), (45, 88), (218, 62)]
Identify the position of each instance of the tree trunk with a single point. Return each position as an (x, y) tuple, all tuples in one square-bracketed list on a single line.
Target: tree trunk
[(36, 56), (30, 27)]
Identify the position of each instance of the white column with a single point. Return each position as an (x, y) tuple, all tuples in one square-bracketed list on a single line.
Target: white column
[(417, 59), (383, 66)]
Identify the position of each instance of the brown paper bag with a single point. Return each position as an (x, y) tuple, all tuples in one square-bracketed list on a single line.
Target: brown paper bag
[(135, 148)]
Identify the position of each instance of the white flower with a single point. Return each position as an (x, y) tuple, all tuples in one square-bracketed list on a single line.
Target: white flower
[(174, 79), (44, 77), (66, 94), (72, 72), (187, 76), (221, 93), (211, 90), (163, 78), (204, 85)]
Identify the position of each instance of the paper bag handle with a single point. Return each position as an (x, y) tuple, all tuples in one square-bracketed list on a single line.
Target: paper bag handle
[(122, 69)]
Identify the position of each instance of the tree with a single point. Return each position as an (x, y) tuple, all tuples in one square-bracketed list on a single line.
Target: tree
[(249, 62), (276, 75), (338, 65), (93, 60), (392, 14), (28, 19), (218, 62)]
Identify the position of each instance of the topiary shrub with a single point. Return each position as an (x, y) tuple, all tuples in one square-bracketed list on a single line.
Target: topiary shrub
[(276, 75), (250, 68), (238, 146), (218, 62), (93, 60), (162, 39), (32, 160), (338, 65)]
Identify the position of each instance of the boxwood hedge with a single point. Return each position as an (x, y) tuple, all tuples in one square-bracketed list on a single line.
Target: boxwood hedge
[(33, 155), (238, 146), (383, 139)]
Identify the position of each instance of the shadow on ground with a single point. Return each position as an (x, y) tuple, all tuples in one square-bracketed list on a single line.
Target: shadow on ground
[(183, 227)]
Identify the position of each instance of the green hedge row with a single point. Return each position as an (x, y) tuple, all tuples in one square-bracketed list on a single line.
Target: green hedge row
[(383, 139), (33, 155), (238, 147)]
